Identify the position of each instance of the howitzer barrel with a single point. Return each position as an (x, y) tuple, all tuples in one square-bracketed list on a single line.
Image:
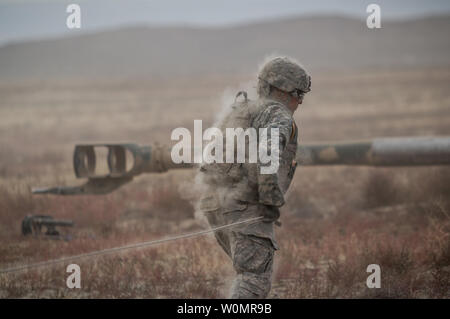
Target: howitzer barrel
[(145, 159), (401, 151)]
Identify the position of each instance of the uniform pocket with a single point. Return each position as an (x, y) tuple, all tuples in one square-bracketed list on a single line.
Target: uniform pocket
[(252, 254)]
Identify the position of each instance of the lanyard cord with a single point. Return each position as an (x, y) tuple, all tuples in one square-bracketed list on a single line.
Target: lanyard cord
[(120, 248)]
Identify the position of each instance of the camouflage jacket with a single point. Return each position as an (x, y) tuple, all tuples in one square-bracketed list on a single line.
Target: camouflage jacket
[(244, 181)]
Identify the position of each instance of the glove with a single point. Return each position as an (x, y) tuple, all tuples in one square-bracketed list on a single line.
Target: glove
[(271, 214)]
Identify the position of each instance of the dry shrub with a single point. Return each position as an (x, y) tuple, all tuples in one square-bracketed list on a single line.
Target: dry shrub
[(15, 204), (380, 189), (322, 257), (343, 276), (439, 253), (441, 258), (166, 202), (301, 206), (13, 200), (435, 186)]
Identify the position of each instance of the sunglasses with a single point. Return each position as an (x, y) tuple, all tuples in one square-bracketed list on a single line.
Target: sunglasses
[(297, 93)]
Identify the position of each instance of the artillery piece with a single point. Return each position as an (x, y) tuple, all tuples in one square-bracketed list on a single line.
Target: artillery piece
[(34, 224), (401, 151)]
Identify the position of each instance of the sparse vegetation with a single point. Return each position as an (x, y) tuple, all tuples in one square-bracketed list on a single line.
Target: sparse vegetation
[(337, 220)]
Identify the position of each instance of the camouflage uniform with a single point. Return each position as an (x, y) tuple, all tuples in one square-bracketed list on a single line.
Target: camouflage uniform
[(238, 191)]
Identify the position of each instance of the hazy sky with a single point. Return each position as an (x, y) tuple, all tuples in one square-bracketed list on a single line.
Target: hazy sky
[(33, 19)]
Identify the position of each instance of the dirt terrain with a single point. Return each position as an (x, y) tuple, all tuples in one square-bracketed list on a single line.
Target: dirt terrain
[(337, 220)]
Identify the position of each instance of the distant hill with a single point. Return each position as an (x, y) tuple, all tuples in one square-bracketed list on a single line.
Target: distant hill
[(318, 42)]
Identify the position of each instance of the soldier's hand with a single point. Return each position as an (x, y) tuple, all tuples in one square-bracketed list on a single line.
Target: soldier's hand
[(271, 214)]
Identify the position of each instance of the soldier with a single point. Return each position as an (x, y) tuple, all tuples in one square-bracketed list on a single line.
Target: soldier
[(238, 191)]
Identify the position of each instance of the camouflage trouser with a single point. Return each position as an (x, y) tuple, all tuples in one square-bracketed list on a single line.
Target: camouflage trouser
[(252, 258)]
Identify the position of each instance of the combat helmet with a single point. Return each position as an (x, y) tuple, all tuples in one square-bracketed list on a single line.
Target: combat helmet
[(286, 75)]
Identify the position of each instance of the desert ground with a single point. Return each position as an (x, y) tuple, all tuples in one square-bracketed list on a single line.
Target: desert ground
[(337, 220)]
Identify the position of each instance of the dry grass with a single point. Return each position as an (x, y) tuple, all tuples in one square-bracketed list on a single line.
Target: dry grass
[(320, 256), (337, 220)]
